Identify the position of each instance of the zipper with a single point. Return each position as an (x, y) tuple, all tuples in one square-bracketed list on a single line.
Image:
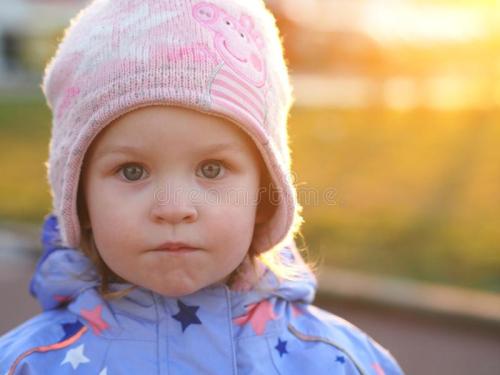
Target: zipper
[(230, 323)]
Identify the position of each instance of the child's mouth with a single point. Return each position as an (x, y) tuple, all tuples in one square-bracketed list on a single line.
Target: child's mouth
[(178, 250), (175, 247)]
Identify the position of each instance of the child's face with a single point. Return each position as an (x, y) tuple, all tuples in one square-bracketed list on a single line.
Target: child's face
[(154, 175)]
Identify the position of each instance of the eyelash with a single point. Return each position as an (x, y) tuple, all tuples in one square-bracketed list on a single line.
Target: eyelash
[(122, 167)]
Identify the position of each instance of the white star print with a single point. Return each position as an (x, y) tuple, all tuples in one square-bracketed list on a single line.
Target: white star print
[(75, 357), (104, 371)]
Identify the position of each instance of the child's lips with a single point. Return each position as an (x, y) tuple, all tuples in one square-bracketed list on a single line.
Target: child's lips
[(175, 247), (179, 250)]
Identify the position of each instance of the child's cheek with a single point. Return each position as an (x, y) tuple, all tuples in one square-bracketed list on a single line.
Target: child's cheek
[(111, 199)]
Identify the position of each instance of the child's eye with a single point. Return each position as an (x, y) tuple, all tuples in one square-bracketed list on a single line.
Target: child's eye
[(132, 172), (212, 169)]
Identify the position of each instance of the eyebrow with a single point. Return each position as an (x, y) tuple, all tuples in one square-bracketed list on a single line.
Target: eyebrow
[(126, 149)]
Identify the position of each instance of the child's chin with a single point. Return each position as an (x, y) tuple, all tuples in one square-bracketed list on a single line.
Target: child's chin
[(177, 291)]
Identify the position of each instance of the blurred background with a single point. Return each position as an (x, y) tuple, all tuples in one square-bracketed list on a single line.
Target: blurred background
[(395, 135)]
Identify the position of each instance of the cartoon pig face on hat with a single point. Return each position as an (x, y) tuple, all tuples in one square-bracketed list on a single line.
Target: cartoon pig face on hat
[(237, 42)]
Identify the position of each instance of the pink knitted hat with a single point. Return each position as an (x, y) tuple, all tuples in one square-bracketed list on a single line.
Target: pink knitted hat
[(222, 57)]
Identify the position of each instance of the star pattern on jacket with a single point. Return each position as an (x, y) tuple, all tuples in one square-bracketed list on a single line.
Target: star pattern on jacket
[(281, 347), (259, 314), (340, 359), (70, 329), (75, 357), (378, 369), (186, 315), (94, 317)]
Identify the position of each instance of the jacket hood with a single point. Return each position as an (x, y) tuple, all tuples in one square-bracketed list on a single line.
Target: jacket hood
[(62, 274)]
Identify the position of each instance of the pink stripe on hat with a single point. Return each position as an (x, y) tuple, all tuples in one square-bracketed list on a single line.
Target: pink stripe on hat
[(228, 75), (224, 87), (220, 95)]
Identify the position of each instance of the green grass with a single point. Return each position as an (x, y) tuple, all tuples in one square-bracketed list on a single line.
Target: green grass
[(416, 194), (24, 135)]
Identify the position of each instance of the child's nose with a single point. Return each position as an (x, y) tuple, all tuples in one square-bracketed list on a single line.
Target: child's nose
[(174, 207)]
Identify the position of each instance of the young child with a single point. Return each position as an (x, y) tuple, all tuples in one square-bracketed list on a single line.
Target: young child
[(171, 249)]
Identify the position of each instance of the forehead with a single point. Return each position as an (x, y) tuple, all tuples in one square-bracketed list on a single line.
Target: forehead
[(173, 129)]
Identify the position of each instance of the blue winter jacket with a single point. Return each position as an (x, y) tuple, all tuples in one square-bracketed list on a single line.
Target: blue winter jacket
[(271, 329)]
